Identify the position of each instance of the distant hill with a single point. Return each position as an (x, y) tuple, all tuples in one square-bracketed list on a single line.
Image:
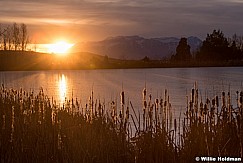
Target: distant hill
[(136, 47)]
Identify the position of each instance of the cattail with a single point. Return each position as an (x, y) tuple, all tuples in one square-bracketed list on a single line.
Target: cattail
[(205, 109), (196, 99), (144, 94), (120, 115), (223, 99), (241, 98), (161, 103), (213, 102), (207, 101), (217, 101), (229, 99), (144, 107), (144, 104), (127, 113), (122, 103), (157, 103), (113, 110), (193, 93), (122, 98), (175, 127)]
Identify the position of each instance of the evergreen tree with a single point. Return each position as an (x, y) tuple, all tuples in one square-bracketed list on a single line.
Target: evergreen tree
[(215, 47), (183, 51)]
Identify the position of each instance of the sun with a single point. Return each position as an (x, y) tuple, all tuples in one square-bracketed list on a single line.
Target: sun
[(60, 47)]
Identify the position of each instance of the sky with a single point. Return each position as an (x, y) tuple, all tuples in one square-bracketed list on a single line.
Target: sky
[(90, 20)]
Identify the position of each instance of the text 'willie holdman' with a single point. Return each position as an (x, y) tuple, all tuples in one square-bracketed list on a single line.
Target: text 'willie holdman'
[(222, 159)]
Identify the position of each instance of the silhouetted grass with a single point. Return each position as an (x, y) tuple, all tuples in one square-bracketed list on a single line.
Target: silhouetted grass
[(33, 128)]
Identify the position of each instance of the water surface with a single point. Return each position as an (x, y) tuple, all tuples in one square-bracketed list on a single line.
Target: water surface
[(108, 84)]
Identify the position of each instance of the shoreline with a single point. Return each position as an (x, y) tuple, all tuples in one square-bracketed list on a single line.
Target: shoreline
[(34, 61)]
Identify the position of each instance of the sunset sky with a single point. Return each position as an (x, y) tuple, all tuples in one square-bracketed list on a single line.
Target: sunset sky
[(88, 20)]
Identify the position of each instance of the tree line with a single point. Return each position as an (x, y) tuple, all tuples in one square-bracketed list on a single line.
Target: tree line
[(14, 37), (215, 48)]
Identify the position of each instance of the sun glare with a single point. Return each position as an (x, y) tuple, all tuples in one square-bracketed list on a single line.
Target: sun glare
[(60, 47), (62, 88)]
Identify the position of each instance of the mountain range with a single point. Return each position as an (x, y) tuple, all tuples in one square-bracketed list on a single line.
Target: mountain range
[(136, 47)]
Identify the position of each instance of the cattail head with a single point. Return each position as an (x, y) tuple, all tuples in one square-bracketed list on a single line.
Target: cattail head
[(241, 93), (175, 124), (241, 97), (145, 104), (207, 101), (223, 94), (193, 93), (205, 109), (223, 98), (157, 103), (217, 101), (161, 103), (122, 98), (127, 113), (213, 102), (144, 93)]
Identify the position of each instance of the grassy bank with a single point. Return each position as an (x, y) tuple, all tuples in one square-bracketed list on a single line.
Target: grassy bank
[(33, 128)]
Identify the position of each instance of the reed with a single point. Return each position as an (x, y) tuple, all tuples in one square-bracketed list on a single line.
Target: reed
[(33, 128)]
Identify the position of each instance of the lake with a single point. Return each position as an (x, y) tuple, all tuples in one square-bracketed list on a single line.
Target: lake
[(108, 84)]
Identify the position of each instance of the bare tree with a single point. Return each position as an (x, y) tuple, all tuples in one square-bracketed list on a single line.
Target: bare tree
[(23, 36), (238, 41), (16, 36), (1, 37), (8, 38)]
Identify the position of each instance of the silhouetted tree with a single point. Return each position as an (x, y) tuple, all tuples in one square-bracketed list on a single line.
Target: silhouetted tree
[(8, 38), (146, 59), (238, 41), (1, 38), (16, 36), (183, 51), (23, 36), (215, 47)]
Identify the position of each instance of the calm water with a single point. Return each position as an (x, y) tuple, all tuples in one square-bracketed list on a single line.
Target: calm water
[(107, 84)]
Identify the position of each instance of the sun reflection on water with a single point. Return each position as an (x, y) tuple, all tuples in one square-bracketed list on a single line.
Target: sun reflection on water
[(62, 88)]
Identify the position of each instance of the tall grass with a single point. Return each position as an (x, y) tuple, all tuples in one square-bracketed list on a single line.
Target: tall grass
[(34, 128)]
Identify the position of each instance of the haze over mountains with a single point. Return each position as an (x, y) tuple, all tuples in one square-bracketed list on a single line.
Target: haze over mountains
[(136, 47)]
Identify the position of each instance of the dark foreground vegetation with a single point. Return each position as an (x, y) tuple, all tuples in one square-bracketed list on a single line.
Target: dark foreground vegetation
[(33, 128)]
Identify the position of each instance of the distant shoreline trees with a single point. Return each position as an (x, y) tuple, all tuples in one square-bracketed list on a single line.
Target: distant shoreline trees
[(216, 48), (14, 37), (183, 52)]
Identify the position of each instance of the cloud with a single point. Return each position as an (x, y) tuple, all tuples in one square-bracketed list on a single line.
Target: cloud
[(114, 17)]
